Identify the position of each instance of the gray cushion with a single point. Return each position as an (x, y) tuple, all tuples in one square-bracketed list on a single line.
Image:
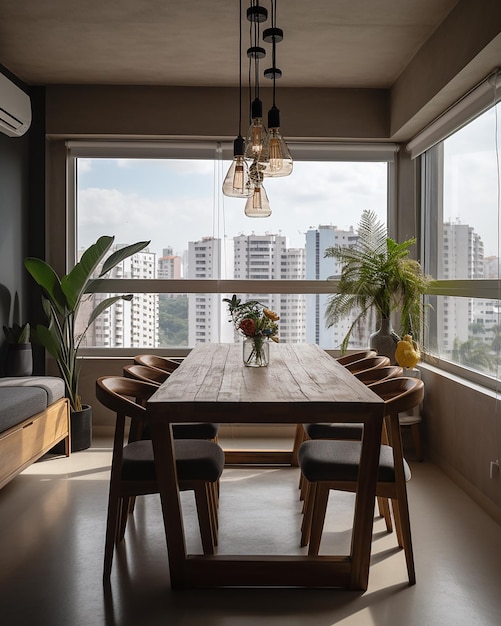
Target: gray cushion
[(196, 459), (329, 460), (19, 403), (51, 385), (335, 431)]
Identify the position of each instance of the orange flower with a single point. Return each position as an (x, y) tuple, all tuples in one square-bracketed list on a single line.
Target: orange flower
[(271, 315)]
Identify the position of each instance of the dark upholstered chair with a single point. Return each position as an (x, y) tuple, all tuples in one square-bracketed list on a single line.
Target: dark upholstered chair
[(331, 464), (191, 430), (199, 464)]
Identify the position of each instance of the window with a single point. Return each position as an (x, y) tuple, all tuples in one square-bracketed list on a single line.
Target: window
[(461, 195), (199, 235)]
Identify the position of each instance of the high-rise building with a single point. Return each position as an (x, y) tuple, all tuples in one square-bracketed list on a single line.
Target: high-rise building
[(463, 258), (319, 267), (126, 324), (169, 265), (267, 257), (204, 309)]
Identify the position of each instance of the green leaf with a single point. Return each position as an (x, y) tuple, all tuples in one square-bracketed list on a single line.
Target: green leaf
[(121, 254), (105, 304), (49, 281), (75, 283)]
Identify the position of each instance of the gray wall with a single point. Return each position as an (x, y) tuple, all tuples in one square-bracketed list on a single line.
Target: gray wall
[(22, 222)]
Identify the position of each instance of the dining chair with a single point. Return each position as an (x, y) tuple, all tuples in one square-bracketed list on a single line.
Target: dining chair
[(355, 356), (164, 363), (367, 363), (334, 464), (188, 430), (199, 465), (377, 374), (352, 431)]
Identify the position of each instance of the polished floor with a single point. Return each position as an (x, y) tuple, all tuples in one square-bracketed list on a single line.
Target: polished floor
[(52, 520)]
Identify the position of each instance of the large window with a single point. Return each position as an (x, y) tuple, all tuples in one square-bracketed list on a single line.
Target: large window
[(462, 216), (174, 199)]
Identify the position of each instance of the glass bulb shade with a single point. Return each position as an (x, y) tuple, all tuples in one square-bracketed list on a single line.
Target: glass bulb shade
[(256, 144), (258, 204), (237, 183), (279, 162)]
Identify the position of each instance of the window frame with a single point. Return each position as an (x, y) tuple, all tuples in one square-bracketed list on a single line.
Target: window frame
[(191, 148)]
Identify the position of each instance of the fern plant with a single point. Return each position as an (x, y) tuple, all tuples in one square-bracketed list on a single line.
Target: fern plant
[(377, 276)]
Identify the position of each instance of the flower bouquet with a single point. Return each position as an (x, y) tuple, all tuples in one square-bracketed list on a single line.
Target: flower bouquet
[(257, 324)]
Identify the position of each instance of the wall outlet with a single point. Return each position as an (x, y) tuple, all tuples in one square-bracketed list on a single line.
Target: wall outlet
[(494, 469)]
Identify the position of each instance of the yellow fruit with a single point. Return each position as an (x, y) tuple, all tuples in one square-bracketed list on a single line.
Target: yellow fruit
[(407, 353)]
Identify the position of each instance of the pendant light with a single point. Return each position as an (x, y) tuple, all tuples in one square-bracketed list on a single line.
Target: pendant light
[(256, 145), (237, 183), (258, 204), (279, 161)]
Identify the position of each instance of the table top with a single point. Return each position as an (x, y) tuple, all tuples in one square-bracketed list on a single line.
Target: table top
[(302, 383)]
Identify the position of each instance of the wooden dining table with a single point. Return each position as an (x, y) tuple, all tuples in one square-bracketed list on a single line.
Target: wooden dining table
[(302, 384)]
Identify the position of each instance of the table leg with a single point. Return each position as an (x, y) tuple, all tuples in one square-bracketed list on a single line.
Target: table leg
[(165, 464)]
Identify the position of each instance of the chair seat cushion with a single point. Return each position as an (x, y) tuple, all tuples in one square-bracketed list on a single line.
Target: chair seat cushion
[(328, 460), (349, 431), (196, 459), (195, 430)]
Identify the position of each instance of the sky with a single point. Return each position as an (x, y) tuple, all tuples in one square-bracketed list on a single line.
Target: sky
[(173, 202)]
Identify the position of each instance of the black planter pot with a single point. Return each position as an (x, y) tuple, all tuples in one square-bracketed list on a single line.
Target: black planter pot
[(81, 431), (81, 428), (19, 360)]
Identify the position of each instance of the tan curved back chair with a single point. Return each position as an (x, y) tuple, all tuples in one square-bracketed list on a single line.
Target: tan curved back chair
[(145, 373), (186, 430), (133, 471), (377, 374), (328, 464), (368, 363), (166, 364), (355, 356)]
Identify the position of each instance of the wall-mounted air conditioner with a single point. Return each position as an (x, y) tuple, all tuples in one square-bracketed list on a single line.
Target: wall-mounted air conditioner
[(15, 109)]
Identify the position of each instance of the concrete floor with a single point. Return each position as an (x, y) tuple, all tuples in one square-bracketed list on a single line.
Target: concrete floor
[(52, 537)]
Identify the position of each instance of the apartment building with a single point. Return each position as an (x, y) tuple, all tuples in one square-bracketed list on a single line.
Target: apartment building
[(267, 257), (320, 267)]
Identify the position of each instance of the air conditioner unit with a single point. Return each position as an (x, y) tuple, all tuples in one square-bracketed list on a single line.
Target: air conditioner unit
[(15, 109)]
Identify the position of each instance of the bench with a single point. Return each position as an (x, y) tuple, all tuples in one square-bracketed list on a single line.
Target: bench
[(34, 416)]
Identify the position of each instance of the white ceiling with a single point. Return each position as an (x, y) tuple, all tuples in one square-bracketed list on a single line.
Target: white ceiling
[(327, 43)]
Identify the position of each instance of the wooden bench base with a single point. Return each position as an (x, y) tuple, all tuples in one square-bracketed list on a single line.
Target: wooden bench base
[(22, 444)]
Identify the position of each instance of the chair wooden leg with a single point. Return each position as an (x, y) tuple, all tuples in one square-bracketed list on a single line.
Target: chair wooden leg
[(384, 510), (111, 532), (308, 502), (204, 517), (405, 530), (299, 437), (318, 518), (398, 524)]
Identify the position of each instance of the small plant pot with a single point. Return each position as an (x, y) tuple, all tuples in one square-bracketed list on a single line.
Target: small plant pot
[(19, 360)]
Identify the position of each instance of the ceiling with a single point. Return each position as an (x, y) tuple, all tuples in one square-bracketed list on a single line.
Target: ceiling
[(327, 43)]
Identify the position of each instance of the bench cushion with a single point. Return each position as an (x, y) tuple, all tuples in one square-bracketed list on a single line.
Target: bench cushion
[(19, 403), (51, 385)]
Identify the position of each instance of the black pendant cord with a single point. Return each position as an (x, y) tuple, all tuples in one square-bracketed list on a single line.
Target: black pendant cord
[(240, 74), (274, 45)]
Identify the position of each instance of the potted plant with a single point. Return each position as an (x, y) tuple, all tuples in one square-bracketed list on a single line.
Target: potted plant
[(19, 355), (61, 300), (378, 277)]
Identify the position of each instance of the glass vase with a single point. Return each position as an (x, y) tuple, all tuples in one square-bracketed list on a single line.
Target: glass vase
[(256, 352)]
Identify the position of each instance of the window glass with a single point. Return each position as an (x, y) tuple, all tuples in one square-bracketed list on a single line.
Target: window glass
[(197, 233), (462, 217)]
